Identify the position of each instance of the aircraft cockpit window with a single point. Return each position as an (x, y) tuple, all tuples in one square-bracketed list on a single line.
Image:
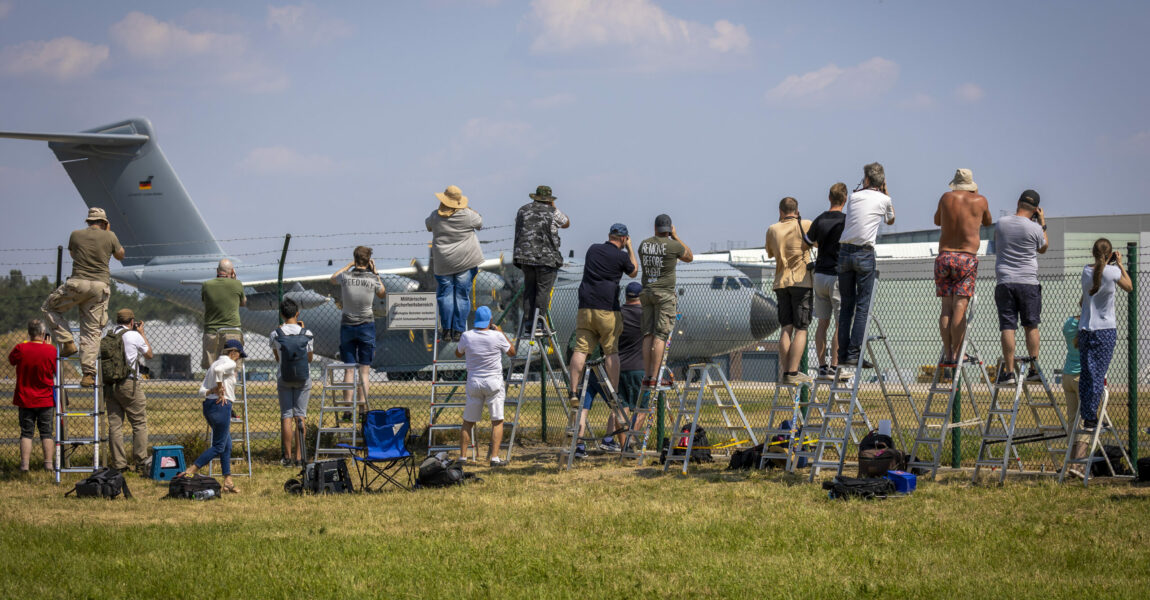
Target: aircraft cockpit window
[(717, 283), (746, 281), (732, 283)]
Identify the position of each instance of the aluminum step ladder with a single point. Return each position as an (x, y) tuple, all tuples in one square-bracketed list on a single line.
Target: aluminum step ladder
[(448, 399), (240, 406), (652, 394), (1004, 431), (706, 383), (338, 412), (77, 415), (786, 417), (1097, 435), (543, 346), (935, 421), (576, 428)]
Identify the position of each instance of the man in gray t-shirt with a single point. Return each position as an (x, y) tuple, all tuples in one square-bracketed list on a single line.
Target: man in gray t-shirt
[(359, 286), (1018, 240)]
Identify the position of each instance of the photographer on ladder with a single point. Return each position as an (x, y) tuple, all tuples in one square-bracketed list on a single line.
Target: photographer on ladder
[(865, 210), (1018, 240)]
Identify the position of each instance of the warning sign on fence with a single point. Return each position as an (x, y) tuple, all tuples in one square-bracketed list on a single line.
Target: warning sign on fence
[(411, 311)]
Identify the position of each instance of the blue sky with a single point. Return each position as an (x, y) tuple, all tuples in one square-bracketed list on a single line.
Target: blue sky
[(336, 117)]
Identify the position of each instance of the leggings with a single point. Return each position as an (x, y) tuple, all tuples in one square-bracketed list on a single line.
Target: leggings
[(1096, 348)]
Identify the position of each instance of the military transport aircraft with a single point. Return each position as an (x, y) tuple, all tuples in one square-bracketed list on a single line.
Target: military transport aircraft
[(170, 251)]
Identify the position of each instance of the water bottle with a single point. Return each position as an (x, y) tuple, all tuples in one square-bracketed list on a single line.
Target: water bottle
[(204, 494)]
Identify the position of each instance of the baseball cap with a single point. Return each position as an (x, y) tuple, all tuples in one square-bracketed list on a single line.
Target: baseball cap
[(125, 314), (619, 229), (663, 224), (482, 317), (1030, 197), (238, 345), (634, 289)]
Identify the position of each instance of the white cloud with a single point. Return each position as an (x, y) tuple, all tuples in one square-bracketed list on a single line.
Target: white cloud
[(202, 56), (919, 101), (969, 92), (281, 160), (62, 59), (631, 34), (5, 8), (306, 23), (833, 85), (553, 101)]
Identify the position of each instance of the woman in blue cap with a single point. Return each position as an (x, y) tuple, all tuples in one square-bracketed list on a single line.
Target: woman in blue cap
[(219, 390)]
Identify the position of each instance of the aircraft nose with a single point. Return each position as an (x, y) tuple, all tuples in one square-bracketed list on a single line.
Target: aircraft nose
[(764, 316)]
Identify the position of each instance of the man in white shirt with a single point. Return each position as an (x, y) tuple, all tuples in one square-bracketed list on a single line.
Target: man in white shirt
[(865, 210), (483, 347), (126, 398)]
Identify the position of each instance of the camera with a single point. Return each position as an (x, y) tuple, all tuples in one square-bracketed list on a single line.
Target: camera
[(136, 323), (1113, 260)]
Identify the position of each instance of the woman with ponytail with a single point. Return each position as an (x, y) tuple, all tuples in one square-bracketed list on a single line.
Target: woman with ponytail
[(1098, 329)]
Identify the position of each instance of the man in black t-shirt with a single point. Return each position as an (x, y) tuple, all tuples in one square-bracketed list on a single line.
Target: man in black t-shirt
[(824, 233), (598, 322)]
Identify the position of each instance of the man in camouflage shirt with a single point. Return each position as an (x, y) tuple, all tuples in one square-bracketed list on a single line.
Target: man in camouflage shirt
[(537, 226)]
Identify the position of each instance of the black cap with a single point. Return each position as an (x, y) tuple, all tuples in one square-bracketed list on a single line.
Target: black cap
[(1029, 197), (663, 224)]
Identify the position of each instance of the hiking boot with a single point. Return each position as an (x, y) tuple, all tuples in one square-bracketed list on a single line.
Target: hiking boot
[(580, 451), (1005, 378), (68, 349), (88, 380), (610, 446), (1033, 376)]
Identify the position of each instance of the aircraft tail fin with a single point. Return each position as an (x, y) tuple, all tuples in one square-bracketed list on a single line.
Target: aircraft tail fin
[(120, 168)]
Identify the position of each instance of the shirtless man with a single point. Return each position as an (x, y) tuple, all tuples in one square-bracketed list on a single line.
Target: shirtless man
[(960, 214)]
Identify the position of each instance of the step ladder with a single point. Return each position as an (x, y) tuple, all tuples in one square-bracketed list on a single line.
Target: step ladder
[(1002, 427), (77, 415), (448, 399), (543, 346), (1097, 435), (935, 421), (653, 393), (786, 416), (705, 382), (239, 411), (576, 428), (339, 415)]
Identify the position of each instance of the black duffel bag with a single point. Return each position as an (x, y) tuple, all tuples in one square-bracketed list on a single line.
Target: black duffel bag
[(867, 488), (193, 487), (106, 482)]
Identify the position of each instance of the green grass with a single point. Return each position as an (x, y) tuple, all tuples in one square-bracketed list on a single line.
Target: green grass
[(601, 531)]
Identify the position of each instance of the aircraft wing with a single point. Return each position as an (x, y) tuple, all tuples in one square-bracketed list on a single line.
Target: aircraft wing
[(96, 139), (414, 269)]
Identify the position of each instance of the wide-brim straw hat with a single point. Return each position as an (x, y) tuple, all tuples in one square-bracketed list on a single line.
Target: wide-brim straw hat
[(452, 197), (963, 181)]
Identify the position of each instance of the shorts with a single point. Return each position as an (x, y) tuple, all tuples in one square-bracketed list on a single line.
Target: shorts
[(794, 306), (293, 398), (36, 418), (1018, 300), (659, 310), (594, 327), (357, 343), (827, 300), (954, 274), (630, 384), (489, 391)]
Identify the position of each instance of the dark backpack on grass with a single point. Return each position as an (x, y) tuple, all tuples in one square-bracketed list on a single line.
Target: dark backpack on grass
[(1114, 453), (187, 487), (438, 471), (867, 488), (113, 360), (104, 483), (748, 458), (293, 355), (877, 455), (700, 449)]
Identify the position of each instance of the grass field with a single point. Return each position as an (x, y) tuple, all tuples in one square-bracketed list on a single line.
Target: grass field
[(528, 531)]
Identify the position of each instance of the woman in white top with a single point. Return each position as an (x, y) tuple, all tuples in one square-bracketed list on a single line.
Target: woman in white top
[(455, 258), (219, 389), (1098, 326)]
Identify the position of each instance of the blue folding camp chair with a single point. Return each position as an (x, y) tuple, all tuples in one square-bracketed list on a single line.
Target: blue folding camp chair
[(384, 455)]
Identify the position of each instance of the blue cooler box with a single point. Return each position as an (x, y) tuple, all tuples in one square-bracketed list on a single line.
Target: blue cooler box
[(167, 461), (904, 483)]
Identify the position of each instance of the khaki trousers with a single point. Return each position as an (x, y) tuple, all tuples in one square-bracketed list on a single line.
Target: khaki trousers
[(126, 399), (214, 342), (91, 298)]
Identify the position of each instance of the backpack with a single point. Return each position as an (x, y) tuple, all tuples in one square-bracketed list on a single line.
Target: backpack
[(747, 459), (439, 471), (113, 360), (1114, 453), (700, 450), (194, 487), (868, 488), (781, 442), (106, 482), (877, 455), (293, 355), (322, 477)]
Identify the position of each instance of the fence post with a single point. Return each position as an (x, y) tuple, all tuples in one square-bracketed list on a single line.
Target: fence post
[(280, 277), (1132, 353), (59, 263), (956, 416), (804, 391)]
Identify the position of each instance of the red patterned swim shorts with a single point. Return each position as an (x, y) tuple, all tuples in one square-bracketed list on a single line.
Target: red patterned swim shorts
[(954, 274)]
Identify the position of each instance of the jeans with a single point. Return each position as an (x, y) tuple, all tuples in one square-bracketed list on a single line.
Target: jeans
[(1095, 349), (856, 283), (537, 282), (453, 293), (219, 417)]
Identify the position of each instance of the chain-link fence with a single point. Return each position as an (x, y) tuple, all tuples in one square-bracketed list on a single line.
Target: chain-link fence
[(723, 310)]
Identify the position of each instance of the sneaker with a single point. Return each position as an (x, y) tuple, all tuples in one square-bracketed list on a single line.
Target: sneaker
[(497, 462), (844, 374), (455, 335), (826, 372), (68, 349), (575, 403), (580, 451), (1033, 376), (88, 381), (648, 382), (287, 462), (668, 380), (1005, 378), (610, 446), (797, 378)]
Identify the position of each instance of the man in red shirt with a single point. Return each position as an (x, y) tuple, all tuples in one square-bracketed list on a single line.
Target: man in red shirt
[(35, 362)]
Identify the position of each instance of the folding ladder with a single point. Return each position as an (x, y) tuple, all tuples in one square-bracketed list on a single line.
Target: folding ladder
[(341, 409), (542, 345), (240, 404), (786, 408), (653, 393), (706, 382), (77, 415), (933, 423), (447, 396), (1005, 429), (1105, 428), (577, 421)]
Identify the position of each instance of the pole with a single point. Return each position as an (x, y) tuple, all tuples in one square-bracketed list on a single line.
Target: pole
[(956, 416), (59, 263), (546, 377), (1132, 353), (280, 277), (804, 391)]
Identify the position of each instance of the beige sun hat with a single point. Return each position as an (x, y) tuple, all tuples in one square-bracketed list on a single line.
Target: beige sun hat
[(96, 214), (963, 181), (452, 197)]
